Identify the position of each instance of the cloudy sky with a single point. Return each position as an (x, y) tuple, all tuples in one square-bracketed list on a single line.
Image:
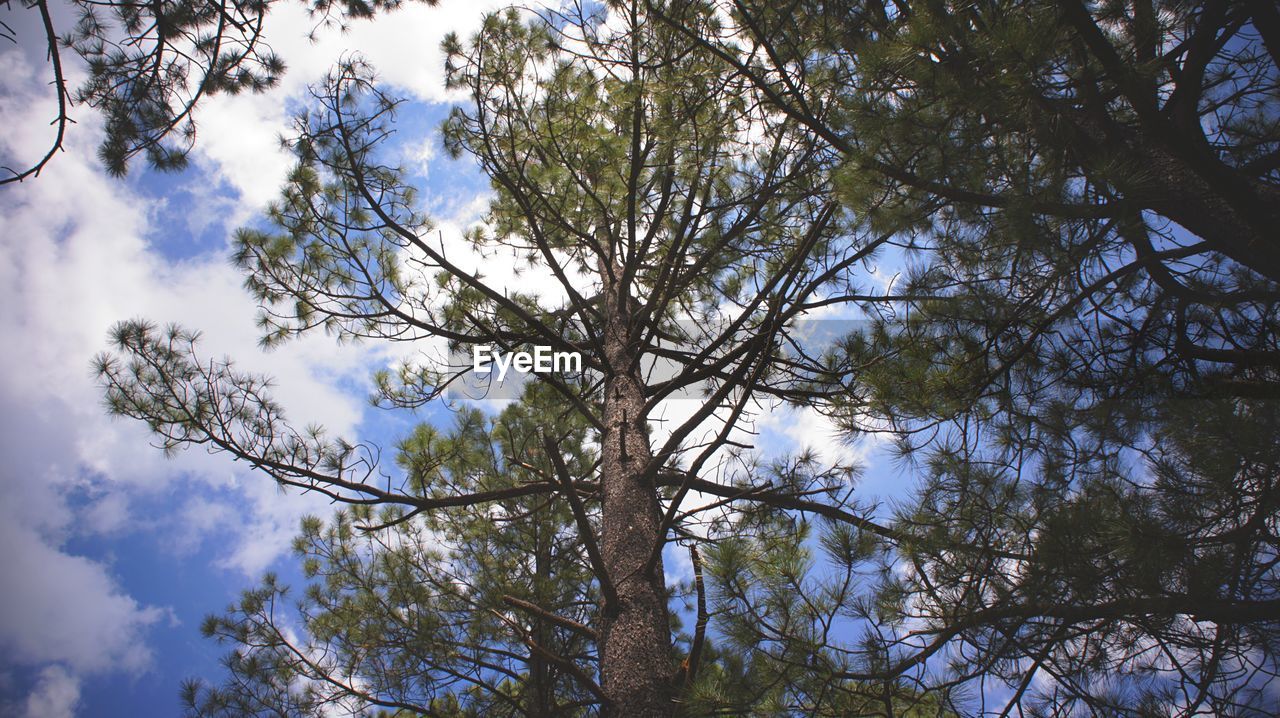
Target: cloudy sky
[(112, 553)]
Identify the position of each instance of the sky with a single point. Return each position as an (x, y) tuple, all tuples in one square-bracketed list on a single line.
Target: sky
[(112, 553)]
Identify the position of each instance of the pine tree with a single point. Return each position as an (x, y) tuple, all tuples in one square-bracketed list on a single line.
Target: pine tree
[(674, 216), (487, 609), (1080, 355), (151, 65), (476, 610)]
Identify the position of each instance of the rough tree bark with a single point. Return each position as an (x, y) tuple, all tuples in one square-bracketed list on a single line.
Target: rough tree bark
[(635, 633)]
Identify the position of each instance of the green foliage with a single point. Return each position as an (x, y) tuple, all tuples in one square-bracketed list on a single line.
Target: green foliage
[(151, 65), (1087, 301), (1078, 361), (423, 614)]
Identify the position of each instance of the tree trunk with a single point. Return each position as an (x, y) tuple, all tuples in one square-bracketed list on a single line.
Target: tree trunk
[(1238, 217), (635, 636), (542, 701)]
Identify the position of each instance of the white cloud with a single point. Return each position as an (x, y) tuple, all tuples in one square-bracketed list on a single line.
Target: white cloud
[(56, 695), (59, 608), (239, 135), (202, 516), (420, 154), (108, 515), (67, 609), (77, 254), (806, 428), (267, 524)]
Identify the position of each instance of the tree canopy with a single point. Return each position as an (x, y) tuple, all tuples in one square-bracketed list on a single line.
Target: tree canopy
[(1085, 195), (1078, 360), (150, 65)]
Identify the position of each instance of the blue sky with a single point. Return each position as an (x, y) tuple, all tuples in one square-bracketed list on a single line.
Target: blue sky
[(114, 554)]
